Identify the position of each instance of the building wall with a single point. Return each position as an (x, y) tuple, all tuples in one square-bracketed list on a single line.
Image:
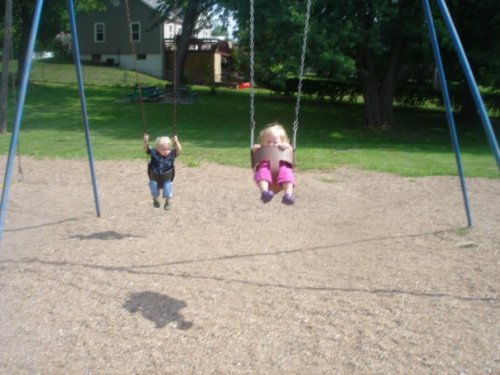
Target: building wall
[(171, 29), (199, 68), (116, 45), (153, 65)]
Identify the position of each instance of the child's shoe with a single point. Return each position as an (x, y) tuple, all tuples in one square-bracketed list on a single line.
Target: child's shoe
[(156, 202), (166, 206), (266, 196), (288, 199)]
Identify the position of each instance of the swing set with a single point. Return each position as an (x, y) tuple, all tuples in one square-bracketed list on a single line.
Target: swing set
[(272, 153)]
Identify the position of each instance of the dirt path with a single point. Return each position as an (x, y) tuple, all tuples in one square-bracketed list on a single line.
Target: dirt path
[(367, 273)]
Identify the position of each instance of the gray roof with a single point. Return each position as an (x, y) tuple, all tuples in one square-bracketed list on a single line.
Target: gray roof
[(151, 3), (154, 3)]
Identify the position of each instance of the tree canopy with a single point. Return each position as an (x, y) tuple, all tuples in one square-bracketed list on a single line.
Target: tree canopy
[(378, 44)]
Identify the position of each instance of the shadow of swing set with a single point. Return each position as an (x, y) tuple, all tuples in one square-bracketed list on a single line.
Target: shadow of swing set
[(272, 154)]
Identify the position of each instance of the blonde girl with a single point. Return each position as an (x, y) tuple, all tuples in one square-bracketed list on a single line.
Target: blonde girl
[(274, 135)]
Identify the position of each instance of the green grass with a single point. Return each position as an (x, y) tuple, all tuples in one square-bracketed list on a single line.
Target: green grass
[(53, 71), (215, 128)]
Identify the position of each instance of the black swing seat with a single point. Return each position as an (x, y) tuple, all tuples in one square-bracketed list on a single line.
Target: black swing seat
[(274, 155), (162, 177)]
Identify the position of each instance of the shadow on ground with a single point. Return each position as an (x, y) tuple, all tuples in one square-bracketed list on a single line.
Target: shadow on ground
[(159, 308)]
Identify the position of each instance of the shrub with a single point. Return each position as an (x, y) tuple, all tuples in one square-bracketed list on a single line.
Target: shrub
[(62, 45)]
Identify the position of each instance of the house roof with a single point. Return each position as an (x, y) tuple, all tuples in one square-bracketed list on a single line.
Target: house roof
[(154, 4), (151, 3)]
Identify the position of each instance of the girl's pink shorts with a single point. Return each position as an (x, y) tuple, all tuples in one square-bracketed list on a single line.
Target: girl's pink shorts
[(285, 173)]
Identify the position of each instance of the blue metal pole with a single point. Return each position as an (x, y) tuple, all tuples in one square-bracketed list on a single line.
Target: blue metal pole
[(76, 57), (447, 102), (19, 113), (470, 80)]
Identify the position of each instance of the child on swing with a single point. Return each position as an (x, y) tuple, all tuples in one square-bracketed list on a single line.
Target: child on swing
[(274, 135), (162, 159)]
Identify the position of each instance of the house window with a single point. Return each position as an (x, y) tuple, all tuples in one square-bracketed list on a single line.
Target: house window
[(135, 29), (141, 56), (99, 35)]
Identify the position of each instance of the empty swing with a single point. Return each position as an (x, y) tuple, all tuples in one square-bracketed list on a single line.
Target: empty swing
[(271, 153)]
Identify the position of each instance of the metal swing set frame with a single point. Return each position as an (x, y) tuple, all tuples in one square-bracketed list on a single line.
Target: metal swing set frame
[(20, 106)]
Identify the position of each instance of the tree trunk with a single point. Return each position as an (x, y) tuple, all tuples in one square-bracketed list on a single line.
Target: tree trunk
[(389, 85), (370, 85), (379, 96), (26, 17), (188, 24), (379, 72), (468, 109), (4, 87), (371, 96)]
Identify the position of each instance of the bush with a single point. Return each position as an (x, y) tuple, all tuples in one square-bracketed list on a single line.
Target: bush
[(408, 94), (62, 45), (336, 91)]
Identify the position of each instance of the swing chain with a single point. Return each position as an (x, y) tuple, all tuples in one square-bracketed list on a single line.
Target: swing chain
[(301, 74), (20, 171), (174, 80), (252, 75), (134, 58)]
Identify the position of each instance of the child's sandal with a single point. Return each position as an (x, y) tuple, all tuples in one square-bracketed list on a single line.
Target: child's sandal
[(266, 196), (288, 199)]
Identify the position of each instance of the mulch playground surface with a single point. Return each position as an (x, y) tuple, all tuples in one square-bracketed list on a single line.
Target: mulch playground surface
[(368, 273)]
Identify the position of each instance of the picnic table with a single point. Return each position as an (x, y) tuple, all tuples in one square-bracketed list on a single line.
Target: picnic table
[(147, 93), (184, 94)]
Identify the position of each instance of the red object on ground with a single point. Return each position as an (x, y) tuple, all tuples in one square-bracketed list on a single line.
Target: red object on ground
[(244, 85)]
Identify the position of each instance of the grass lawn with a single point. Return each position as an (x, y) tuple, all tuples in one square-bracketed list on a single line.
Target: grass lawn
[(216, 127)]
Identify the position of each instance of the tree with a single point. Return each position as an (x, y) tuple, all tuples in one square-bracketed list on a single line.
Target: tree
[(384, 35), (278, 27), (190, 11), (219, 30), (478, 24), (7, 37), (17, 23), (54, 19), (372, 40)]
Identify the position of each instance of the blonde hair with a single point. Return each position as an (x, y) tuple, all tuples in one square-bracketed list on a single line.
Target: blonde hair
[(163, 141), (274, 128)]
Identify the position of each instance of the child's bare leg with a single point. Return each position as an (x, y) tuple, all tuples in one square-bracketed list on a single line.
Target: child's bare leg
[(287, 187), (266, 195), (288, 197), (263, 185)]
